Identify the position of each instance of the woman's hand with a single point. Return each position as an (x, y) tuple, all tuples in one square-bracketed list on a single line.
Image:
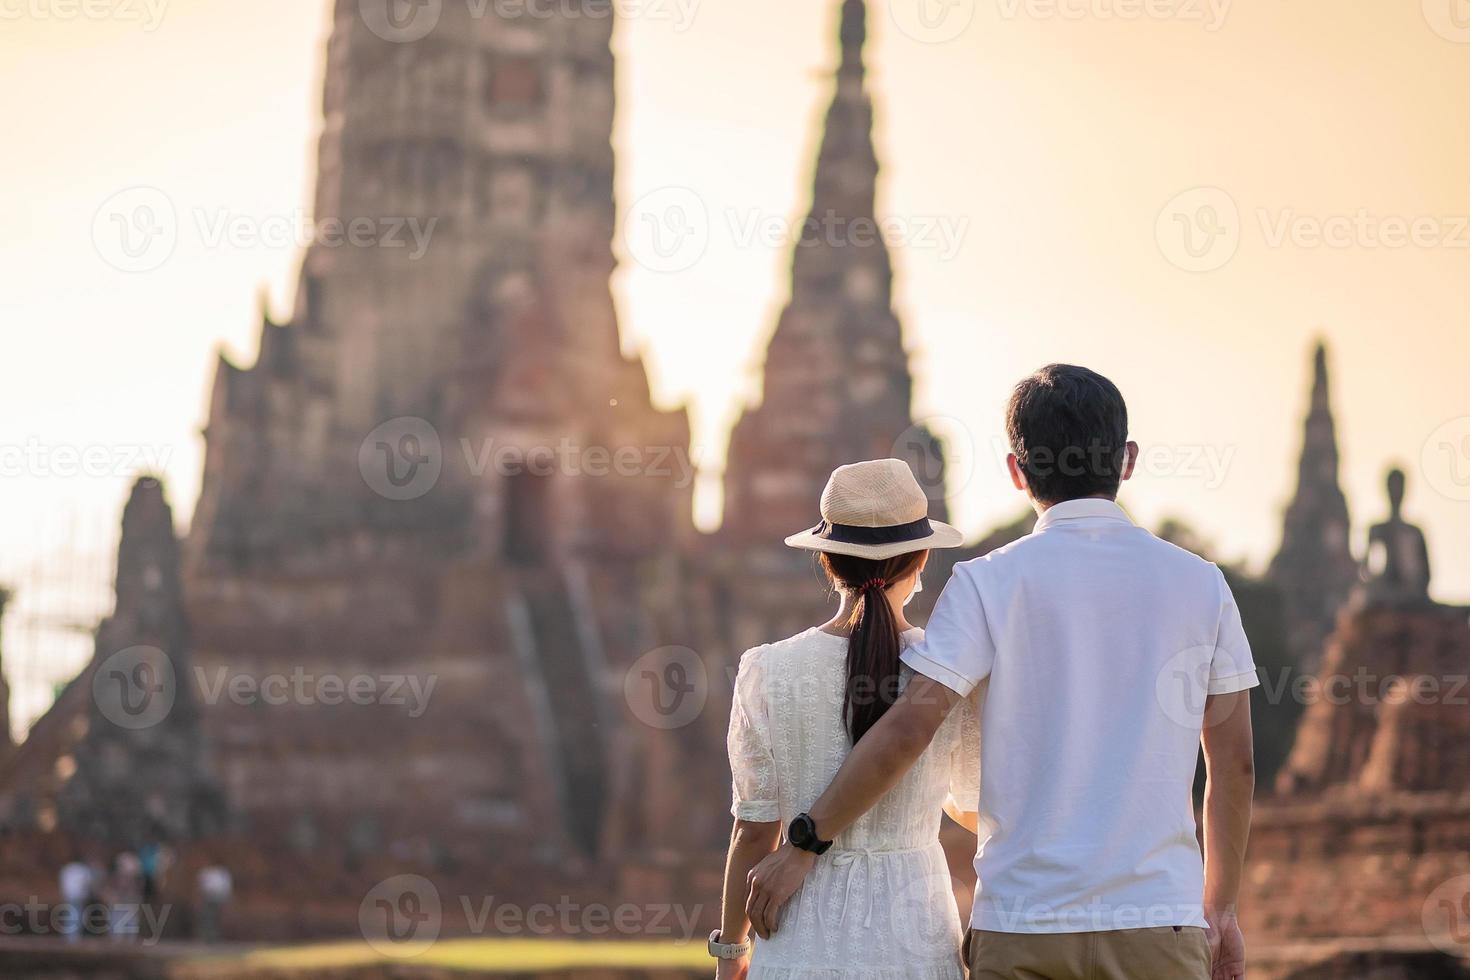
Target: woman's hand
[(733, 969)]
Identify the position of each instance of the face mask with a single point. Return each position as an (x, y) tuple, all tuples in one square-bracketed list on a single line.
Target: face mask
[(918, 587)]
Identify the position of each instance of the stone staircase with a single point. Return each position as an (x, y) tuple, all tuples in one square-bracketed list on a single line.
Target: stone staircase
[(551, 641)]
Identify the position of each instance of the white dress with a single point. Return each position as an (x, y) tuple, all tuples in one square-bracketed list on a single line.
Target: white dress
[(879, 905)]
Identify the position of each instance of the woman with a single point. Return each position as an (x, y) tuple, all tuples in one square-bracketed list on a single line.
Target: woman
[(879, 905)]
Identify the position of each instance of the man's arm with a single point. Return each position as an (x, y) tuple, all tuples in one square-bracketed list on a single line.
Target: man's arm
[(749, 842), (877, 763), (1229, 788)]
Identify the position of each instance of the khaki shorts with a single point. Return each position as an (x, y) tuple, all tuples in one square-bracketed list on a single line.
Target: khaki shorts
[(1169, 953)]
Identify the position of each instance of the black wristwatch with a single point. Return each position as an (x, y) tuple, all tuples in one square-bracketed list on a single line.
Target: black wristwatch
[(803, 835)]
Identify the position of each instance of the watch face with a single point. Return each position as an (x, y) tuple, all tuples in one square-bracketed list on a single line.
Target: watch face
[(801, 832)]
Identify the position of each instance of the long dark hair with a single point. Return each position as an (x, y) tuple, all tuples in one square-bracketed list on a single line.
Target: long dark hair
[(873, 643)]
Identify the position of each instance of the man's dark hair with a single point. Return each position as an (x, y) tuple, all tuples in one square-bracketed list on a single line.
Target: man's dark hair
[(1068, 427)]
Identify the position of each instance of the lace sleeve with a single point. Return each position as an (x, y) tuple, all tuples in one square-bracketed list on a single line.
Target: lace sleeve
[(752, 764), (964, 773)]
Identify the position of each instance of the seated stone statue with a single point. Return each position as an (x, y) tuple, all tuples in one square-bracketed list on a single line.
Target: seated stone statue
[(1396, 568)]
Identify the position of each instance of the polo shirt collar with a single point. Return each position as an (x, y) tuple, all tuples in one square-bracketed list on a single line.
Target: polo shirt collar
[(1085, 509)]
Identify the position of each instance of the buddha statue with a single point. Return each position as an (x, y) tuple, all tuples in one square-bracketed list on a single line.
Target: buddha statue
[(1396, 567)]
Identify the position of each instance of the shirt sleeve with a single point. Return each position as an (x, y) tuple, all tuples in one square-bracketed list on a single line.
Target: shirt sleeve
[(752, 763), (1232, 668), (956, 650)]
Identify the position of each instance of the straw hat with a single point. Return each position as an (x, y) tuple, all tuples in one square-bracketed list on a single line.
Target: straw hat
[(875, 509)]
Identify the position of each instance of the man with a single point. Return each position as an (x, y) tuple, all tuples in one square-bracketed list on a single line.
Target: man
[(1105, 656)]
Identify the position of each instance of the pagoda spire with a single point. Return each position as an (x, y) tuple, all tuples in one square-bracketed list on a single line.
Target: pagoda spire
[(1314, 567), (836, 381)]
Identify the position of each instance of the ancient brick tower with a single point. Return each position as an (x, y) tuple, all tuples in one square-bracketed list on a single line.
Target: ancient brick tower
[(119, 758), (426, 476), (489, 139), (837, 386), (1314, 567)]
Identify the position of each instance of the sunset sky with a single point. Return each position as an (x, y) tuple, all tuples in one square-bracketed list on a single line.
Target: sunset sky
[(1046, 158)]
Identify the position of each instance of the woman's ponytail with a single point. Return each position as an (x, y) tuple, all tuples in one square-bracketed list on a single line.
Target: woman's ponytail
[(874, 642)]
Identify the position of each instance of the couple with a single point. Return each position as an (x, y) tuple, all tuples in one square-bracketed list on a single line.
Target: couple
[(1079, 668)]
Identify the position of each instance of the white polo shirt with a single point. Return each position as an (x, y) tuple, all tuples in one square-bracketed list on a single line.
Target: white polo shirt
[(1100, 643)]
